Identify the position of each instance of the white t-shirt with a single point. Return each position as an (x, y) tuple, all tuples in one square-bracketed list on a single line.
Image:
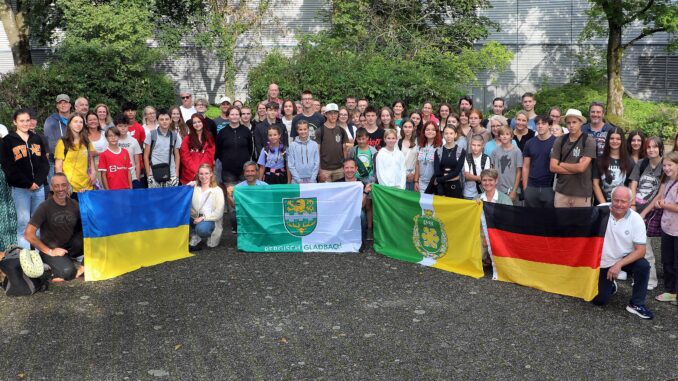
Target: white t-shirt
[(621, 237), (470, 189), (187, 113), (133, 148)]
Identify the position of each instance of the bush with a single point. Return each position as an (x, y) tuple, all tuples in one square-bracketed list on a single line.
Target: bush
[(655, 119), (332, 73), (37, 87)]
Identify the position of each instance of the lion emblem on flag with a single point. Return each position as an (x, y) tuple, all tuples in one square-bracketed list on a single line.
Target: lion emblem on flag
[(300, 215), (429, 235)]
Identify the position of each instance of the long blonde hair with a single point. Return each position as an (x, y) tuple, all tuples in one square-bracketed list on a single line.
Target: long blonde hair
[(213, 177)]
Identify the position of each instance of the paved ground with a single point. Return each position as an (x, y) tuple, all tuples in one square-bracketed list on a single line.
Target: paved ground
[(229, 315)]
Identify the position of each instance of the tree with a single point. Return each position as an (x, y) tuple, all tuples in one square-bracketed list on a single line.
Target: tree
[(611, 18), (16, 32), (217, 25), (386, 50)]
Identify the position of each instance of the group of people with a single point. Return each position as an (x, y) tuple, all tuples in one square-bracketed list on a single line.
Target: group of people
[(453, 151)]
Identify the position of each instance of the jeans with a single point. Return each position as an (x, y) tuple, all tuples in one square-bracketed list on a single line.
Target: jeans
[(641, 274), (204, 229), (65, 266), (539, 197), (669, 262), (363, 224), (25, 203)]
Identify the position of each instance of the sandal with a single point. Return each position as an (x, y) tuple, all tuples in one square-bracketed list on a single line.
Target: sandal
[(665, 297)]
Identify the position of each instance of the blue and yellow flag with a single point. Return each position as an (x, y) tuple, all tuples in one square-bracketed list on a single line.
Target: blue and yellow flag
[(125, 230)]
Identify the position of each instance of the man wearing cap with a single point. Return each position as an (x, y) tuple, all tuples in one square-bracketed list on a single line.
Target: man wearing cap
[(571, 162), (597, 128), (81, 106), (60, 242), (187, 109), (55, 127), (332, 141), (222, 120)]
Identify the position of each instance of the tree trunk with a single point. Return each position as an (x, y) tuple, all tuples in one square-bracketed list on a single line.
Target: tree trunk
[(615, 88), (16, 34)]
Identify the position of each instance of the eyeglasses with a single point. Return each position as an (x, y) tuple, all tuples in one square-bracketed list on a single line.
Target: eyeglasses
[(186, 97)]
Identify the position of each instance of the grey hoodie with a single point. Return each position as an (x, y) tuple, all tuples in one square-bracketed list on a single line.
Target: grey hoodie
[(303, 160)]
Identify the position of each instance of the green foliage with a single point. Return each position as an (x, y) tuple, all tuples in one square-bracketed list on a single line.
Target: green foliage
[(332, 73), (405, 26), (103, 57), (655, 119)]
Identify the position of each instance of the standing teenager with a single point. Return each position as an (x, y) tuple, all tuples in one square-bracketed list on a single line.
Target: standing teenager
[(390, 162), (448, 165), (115, 163), (73, 157), (429, 140)]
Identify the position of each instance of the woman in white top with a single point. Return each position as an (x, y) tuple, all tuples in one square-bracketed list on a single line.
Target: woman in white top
[(289, 110), (408, 144), (105, 119), (207, 209), (150, 119), (343, 122), (390, 162)]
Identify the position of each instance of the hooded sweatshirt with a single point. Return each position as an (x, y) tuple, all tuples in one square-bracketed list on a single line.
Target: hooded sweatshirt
[(24, 163), (303, 160), (55, 129)]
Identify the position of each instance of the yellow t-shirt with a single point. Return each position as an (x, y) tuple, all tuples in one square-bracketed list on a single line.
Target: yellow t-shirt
[(75, 165)]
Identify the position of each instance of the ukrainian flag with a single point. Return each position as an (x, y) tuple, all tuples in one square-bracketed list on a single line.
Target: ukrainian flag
[(125, 230)]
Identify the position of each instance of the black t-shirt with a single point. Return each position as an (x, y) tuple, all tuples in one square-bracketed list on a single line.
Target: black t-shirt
[(376, 139), (57, 223), (315, 121), (523, 140)]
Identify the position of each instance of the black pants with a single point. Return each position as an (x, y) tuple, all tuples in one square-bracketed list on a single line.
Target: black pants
[(16, 283), (64, 267)]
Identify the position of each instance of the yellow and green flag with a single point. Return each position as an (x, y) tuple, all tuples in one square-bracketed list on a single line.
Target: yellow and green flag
[(430, 230)]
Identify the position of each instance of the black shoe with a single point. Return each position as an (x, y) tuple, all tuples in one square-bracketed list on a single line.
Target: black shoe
[(197, 247)]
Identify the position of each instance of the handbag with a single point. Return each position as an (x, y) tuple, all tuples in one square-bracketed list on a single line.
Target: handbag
[(653, 220), (161, 172)]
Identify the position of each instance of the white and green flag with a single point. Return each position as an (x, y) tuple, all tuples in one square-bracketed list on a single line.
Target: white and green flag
[(299, 217)]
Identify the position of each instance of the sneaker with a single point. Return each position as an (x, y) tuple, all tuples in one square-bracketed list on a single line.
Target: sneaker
[(665, 297), (622, 275), (641, 311), (194, 248)]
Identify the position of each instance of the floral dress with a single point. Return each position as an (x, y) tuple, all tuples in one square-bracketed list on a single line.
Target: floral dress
[(8, 216)]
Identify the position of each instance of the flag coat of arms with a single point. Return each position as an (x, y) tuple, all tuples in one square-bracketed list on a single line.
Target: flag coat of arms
[(125, 230), (299, 217), (430, 230), (556, 250)]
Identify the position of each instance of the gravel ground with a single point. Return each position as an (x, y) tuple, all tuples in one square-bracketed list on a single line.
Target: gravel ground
[(229, 315)]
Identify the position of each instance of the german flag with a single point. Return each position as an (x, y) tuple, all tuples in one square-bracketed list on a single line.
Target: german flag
[(555, 250)]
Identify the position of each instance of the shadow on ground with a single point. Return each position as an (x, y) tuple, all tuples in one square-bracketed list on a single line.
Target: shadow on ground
[(229, 315)]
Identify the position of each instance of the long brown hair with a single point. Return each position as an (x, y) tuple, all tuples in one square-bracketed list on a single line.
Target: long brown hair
[(604, 161), (195, 143), (69, 139), (179, 127)]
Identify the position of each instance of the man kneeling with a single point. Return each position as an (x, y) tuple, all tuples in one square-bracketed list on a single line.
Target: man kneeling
[(58, 220), (624, 249)]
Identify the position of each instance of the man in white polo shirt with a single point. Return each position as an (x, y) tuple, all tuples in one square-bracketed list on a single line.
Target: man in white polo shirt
[(624, 249)]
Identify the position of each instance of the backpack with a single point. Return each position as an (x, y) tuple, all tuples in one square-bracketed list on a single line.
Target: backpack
[(483, 161)]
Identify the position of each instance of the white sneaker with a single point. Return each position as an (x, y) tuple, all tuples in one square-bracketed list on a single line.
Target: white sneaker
[(622, 275)]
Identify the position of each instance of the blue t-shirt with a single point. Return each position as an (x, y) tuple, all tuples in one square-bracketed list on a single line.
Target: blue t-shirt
[(491, 145), (274, 158), (257, 183), (539, 152)]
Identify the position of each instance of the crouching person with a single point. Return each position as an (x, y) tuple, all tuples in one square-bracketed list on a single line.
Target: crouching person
[(250, 173), (207, 210), (60, 242), (624, 250)]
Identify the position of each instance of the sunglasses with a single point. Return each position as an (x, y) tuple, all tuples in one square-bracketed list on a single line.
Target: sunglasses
[(186, 97)]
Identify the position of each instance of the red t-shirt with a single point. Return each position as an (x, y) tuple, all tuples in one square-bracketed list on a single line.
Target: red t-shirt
[(137, 131), (116, 167)]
